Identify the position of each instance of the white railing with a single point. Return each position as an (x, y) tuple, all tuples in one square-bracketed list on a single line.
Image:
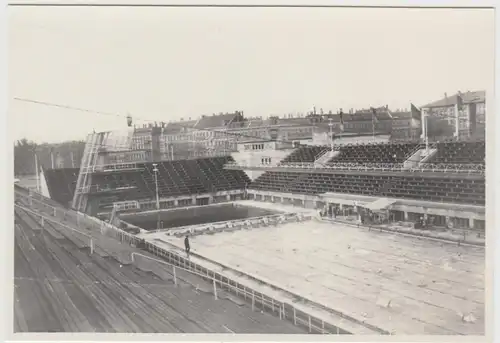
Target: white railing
[(105, 188), (221, 282), (284, 309), (394, 167), (111, 167), (126, 205), (265, 301), (455, 168)]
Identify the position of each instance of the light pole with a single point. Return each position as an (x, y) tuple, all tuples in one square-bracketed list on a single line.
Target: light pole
[(330, 123), (155, 170), (425, 116)]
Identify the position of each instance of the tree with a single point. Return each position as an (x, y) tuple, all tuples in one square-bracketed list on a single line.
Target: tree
[(68, 153)]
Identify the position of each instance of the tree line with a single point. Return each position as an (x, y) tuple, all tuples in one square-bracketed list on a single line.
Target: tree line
[(61, 155)]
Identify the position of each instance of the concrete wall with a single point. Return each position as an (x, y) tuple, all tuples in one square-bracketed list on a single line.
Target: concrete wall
[(255, 158)]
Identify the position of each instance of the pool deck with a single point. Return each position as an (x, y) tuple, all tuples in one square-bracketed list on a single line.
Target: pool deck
[(400, 284)]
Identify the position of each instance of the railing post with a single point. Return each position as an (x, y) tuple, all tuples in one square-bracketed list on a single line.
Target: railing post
[(54, 211), (281, 318), (322, 327), (253, 300), (294, 317), (175, 277), (132, 257), (310, 327), (215, 290), (338, 330), (91, 246)]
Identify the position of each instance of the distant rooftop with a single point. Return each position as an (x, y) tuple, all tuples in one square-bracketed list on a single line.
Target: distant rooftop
[(237, 120), (468, 98)]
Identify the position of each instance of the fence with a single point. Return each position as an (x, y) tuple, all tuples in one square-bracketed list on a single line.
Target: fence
[(258, 301), (84, 237), (220, 282)]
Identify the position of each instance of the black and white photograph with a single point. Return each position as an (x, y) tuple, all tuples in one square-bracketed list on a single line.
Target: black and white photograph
[(257, 170)]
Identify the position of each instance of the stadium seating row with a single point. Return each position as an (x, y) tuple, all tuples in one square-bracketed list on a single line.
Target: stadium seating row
[(428, 189), (305, 154), (471, 152), (175, 178), (375, 153), (460, 152)]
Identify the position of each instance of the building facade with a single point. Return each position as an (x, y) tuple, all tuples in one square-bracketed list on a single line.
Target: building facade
[(461, 115)]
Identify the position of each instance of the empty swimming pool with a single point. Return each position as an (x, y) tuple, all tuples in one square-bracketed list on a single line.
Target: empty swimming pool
[(195, 215)]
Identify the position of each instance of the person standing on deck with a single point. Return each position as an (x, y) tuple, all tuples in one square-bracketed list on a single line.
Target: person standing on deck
[(186, 245)]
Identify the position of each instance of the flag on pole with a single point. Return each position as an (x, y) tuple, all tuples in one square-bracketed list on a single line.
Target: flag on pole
[(416, 113), (460, 103), (374, 115)]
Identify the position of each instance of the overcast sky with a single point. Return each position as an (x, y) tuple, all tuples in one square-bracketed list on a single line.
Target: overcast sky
[(167, 63)]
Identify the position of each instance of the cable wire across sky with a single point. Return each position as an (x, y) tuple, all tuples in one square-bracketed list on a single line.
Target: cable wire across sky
[(80, 109)]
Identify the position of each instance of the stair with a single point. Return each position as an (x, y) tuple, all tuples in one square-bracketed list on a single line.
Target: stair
[(325, 157)]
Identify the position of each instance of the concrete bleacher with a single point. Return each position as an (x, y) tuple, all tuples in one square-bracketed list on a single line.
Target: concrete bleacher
[(105, 247), (460, 153), (61, 288), (374, 153)]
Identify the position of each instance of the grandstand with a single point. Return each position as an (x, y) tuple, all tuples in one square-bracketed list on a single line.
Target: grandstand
[(264, 223)]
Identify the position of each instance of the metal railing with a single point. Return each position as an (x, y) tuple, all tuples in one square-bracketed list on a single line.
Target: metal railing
[(106, 188), (285, 310), (242, 291), (126, 205), (46, 218), (111, 167), (393, 167), (258, 300), (455, 168)]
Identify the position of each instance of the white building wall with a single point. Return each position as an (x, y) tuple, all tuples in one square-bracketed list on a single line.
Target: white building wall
[(257, 157)]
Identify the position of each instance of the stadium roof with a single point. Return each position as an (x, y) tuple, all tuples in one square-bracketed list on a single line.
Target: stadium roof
[(468, 98)]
